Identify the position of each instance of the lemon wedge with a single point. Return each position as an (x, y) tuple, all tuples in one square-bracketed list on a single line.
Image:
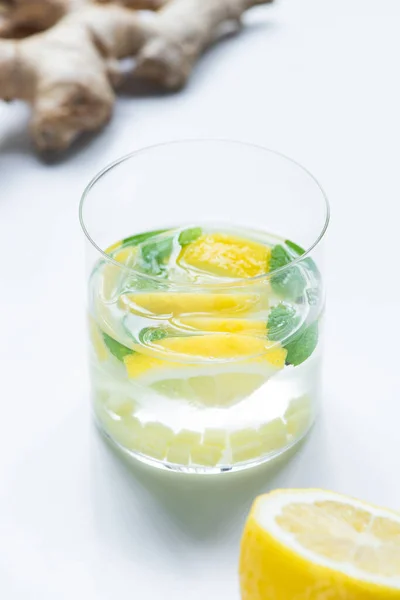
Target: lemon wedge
[(226, 255), (316, 544), (210, 383)]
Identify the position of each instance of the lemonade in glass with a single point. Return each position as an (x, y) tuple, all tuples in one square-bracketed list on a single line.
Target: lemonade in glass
[(205, 328)]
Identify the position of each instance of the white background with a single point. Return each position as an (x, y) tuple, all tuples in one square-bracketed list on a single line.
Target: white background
[(318, 81)]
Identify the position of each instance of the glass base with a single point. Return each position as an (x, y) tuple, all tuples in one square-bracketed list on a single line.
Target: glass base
[(198, 469)]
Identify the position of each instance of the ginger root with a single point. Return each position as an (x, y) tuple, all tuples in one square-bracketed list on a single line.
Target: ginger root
[(68, 72), (18, 17)]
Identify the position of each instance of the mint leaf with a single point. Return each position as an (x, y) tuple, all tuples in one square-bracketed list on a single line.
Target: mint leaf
[(302, 345), (290, 283), (152, 334), (118, 350), (281, 322), (134, 240), (313, 296), (299, 251), (154, 254), (187, 236), (296, 249), (279, 257)]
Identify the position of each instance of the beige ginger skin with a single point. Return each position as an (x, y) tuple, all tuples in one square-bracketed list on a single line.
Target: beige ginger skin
[(68, 72)]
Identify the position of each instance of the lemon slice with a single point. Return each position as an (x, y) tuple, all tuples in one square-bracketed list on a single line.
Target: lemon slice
[(316, 544), (209, 383), (226, 255), (249, 326), (181, 303)]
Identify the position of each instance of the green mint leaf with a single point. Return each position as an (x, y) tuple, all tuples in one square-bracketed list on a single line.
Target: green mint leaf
[(302, 345), (118, 350), (187, 236), (152, 334), (313, 296), (279, 257), (134, 240), (299, 251), (295, 247), (290, 283), (281, 323), (154, 255)]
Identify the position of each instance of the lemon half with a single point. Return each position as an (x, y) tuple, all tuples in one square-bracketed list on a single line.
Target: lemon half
[(314, 545)]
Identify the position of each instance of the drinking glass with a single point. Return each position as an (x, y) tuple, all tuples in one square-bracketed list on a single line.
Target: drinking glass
[(204, 374)]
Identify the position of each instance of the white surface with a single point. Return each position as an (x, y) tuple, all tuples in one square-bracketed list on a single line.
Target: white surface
[(317, 81)]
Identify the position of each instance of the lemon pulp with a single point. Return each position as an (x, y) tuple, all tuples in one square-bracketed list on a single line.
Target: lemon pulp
[(317, 544)]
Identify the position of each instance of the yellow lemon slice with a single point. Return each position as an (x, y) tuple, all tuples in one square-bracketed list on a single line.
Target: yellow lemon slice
[(226, 255), (316, 544), (181, 303), (210, 383), (248, 326)]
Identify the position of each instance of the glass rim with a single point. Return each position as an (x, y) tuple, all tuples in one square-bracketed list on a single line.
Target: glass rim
[(230, 281)]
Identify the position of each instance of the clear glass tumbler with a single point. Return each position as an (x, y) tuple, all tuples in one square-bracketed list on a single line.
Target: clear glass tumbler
[(205, 303)]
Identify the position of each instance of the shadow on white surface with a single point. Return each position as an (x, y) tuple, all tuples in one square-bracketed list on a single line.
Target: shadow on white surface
[(200, 508), (184, 528)]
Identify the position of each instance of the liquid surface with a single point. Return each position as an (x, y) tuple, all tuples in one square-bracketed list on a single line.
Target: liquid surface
[(200, 334)]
